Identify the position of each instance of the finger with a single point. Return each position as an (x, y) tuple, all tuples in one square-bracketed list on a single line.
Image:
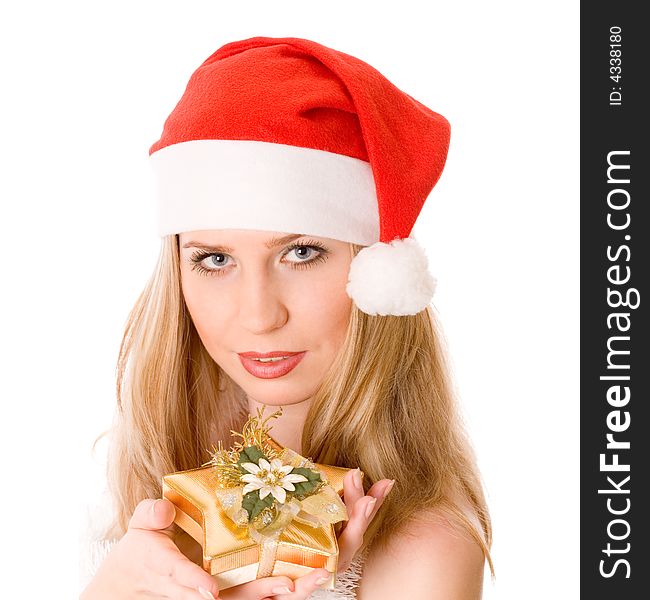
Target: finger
[(352, 493), (190, 575), (379, 490), (306, 584), (259, 589), (351, 539), (180, 592), (352, 488), (153, 514)]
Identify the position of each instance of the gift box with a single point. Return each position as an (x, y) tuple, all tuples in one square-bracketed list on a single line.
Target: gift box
[(260, 510)]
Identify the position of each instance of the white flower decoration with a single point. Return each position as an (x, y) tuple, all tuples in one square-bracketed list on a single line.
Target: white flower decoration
[(273, 478)]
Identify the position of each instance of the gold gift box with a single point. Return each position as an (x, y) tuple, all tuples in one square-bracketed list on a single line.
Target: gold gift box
[(229, 553)]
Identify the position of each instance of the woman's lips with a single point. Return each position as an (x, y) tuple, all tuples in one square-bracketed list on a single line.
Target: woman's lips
[(270, 370)]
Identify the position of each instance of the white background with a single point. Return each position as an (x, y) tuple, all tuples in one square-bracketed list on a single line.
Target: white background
[(87, 87)]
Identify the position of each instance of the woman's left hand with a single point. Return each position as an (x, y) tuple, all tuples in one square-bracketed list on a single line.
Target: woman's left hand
[(361, 510)]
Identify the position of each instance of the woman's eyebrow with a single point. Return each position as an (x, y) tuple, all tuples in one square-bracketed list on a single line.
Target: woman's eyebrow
[(272, 243)]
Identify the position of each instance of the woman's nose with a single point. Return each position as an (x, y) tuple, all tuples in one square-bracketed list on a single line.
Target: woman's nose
[(261, 306)]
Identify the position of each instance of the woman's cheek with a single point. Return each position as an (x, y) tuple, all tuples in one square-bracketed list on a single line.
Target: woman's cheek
[(202, 308), (330, 313)]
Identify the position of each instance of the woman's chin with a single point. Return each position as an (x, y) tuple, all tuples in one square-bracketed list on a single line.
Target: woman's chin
[(277, 397)]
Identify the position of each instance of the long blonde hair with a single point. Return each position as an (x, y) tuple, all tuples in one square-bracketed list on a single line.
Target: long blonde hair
[(386, 405)]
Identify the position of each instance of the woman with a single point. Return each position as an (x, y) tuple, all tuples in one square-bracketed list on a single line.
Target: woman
[(275, 136)]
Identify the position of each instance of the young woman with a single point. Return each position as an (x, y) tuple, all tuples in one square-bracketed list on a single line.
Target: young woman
[(289, 177)]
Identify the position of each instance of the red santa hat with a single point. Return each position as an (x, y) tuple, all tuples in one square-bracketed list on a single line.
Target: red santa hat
[(288, 135)]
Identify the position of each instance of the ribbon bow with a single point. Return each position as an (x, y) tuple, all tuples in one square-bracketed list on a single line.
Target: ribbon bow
[(265, 487)]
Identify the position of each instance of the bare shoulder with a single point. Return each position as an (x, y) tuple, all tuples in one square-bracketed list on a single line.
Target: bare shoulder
[(430, 559)]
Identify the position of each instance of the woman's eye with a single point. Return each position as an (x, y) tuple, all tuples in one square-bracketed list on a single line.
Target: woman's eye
[(210, 264), (307, 255), (298, 256), (302, 252)]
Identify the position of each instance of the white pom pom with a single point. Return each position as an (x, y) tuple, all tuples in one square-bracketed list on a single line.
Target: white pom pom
[(391, 278)]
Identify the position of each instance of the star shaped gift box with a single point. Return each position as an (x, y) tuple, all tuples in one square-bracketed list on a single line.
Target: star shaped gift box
[(260, 510)]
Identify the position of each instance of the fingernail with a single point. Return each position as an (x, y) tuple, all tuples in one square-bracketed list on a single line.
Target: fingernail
[(281, 590), (206, 593), (357, 479), (322, 580), (389, 487), (153, 507), (370, 506)]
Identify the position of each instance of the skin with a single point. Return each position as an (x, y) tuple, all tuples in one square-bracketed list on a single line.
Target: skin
[(260, 299), (427, 559)]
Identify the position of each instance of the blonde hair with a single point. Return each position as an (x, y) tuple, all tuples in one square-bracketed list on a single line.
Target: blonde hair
[(386, 405)]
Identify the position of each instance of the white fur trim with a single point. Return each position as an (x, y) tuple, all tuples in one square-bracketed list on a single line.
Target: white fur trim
[(94, 547), (391, 278), (243, 184)]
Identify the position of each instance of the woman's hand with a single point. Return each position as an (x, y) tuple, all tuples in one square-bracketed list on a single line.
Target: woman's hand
[(361, 510), (146, 563)]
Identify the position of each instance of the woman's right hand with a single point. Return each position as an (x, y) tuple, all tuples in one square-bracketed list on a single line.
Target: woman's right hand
[(146, 563)]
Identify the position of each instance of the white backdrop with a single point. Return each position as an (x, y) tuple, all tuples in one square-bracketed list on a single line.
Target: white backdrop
[(87, 89)]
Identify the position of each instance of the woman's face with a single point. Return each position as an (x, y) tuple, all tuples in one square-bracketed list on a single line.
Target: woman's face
[(265, 292)]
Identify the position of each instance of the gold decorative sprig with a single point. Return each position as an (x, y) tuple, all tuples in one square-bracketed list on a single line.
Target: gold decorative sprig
[(254, 433)]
